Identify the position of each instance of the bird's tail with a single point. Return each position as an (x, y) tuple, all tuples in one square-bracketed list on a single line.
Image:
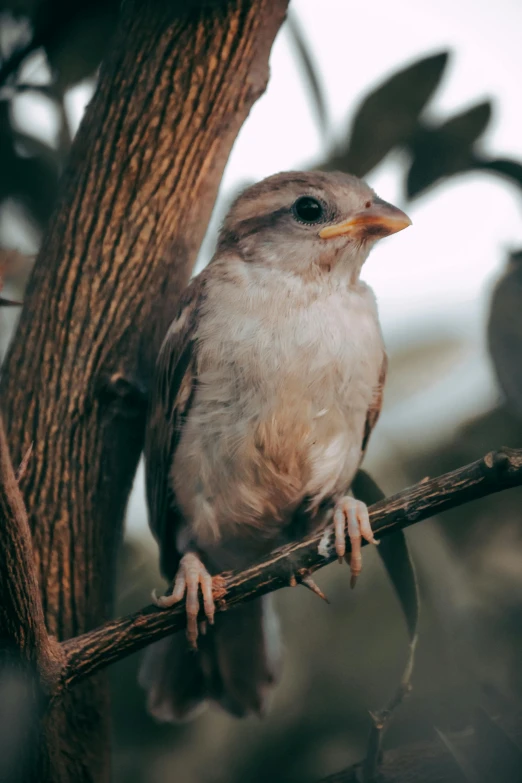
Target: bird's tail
[(237, 661)]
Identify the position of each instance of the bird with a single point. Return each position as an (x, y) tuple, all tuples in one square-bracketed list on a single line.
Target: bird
[(267, 387)]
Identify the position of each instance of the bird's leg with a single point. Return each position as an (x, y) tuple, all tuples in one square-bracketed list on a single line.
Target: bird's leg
[(350, 515), (191, 575)]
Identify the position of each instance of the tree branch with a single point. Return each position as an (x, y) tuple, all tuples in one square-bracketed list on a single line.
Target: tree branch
[(119, 638), (22, 626), (30, 662)]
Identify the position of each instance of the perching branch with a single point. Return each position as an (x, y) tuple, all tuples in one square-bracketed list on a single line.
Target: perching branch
[(90, 652)]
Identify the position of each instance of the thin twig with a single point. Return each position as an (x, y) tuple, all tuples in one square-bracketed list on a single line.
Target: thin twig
[(87, 654), (381, 719)]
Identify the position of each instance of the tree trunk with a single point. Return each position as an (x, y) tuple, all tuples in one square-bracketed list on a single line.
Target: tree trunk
[(135, 201)]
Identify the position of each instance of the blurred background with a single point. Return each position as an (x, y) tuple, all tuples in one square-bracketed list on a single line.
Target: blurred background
[(423, 100)]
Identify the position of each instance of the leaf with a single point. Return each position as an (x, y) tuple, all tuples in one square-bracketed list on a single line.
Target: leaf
[(467, 127), (439, 152), (503, 167), (30, 180), (309, 70), (389, 115), (505, 332), (75, 51)]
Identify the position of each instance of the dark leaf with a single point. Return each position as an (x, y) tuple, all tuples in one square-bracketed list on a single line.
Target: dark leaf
[(433, 160), (76, 48), (30, 180), (389, 115), (467, 127), (445, 150), (510, 169), (505, 332)]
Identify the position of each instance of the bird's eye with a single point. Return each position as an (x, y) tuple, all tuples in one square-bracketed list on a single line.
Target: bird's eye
[(308, 210)]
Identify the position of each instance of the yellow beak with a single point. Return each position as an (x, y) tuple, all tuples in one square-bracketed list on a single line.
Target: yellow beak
[(379, 220)]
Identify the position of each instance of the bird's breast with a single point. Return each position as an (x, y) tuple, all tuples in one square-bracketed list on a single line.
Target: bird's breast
[(285, 382)]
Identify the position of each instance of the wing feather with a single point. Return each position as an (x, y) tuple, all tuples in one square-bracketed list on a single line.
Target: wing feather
[(374, 411), (171, 399)]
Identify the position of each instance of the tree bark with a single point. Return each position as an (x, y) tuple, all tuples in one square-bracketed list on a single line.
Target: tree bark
[(135, 201), (30, 663)]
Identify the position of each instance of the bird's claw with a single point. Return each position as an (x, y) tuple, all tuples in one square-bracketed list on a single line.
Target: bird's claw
[(350, 516), (303, 577), (308, 582), (191, 575)]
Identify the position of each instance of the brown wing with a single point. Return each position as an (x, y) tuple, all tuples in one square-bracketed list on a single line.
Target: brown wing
[(374, 411), (171, 398)]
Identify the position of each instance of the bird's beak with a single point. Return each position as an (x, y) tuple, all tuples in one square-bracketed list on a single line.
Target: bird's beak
[(379, 220)]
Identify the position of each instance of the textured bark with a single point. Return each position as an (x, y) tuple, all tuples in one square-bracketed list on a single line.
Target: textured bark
[(87, 654), (30, 662), (135, 201), (22, 626)]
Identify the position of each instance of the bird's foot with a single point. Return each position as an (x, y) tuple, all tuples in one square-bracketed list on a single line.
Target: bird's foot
[(191, 575), (350, 515)]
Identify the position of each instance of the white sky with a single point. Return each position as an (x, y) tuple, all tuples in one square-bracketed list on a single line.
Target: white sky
[(435, 278)]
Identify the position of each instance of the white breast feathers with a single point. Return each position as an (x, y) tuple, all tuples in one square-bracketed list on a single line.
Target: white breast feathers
[(287, 371)]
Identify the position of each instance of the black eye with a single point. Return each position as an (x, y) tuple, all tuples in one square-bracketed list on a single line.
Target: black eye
[(308, 209)]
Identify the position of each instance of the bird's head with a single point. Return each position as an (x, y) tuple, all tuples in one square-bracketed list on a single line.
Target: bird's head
[(307, 222)]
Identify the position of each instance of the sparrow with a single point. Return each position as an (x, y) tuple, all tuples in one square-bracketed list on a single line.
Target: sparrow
[(268, 385)]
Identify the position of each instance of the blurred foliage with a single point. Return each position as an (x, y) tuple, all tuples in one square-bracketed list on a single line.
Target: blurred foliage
[(72, 35), (344, 658), (505, 332), (73, 38), (31, 179), (391, 117)]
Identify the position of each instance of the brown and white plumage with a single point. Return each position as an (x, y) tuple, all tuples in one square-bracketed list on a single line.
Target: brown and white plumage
[(268, 386)]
